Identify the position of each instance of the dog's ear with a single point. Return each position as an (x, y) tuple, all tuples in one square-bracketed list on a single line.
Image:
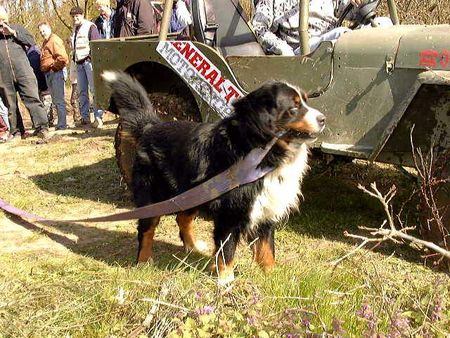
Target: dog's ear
[(242, 105), (257, 108)]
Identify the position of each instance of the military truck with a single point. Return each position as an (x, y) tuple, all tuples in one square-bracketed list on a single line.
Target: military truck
[(373, 84)]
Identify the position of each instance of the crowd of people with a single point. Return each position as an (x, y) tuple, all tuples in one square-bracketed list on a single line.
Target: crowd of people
[(39, 75)]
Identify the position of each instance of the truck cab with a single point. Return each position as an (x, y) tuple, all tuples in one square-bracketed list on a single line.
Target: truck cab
[(372, 84)]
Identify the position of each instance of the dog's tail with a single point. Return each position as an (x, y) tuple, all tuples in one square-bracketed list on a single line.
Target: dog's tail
[(131, 101)]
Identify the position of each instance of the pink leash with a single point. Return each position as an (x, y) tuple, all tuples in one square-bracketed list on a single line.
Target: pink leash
[(243, 172)]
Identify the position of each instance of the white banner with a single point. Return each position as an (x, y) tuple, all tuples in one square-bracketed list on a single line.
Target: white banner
[(200, 74)]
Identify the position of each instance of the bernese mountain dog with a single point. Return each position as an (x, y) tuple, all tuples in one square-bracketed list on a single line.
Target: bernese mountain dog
[(172, 157)]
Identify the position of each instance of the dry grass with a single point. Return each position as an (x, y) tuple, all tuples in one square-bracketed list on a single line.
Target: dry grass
[(79, 280), (422, 12)]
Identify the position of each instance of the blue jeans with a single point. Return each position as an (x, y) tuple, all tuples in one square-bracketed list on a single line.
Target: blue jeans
[(86, 85), (55, 82), (4, 113)]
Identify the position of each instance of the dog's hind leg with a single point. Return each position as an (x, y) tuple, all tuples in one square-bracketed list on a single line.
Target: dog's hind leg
[(146, 232), (263, 246), (185, 221)]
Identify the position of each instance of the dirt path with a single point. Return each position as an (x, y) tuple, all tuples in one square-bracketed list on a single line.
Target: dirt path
[(23, 161)]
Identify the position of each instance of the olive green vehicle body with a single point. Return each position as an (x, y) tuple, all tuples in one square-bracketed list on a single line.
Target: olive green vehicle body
[(373, 85)]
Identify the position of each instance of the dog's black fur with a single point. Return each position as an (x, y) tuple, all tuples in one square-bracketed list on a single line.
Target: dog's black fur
[(172, 157)]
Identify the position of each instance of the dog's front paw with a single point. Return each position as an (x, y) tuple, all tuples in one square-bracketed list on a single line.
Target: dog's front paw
[(199, 246), (225, 279), (144, 262)]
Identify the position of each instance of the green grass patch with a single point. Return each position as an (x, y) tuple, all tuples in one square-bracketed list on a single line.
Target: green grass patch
[(80, 280)]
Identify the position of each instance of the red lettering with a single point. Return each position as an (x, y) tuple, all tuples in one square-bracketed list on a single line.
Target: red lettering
[(428, 58), (195, 58), (445, 58), (177, 45), (203, 67), (211, 77), (232, 93), (187, 51), (217, 85)]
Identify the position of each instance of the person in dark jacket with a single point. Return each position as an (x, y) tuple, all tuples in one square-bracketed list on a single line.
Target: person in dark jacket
[(133, 17), (17, 75), (34, 56)]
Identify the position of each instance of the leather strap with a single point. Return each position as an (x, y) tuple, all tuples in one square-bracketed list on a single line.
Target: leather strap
[(243, 172), (211, 25)]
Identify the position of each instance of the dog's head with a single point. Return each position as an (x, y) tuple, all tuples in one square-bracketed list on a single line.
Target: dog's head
[(280, 109)]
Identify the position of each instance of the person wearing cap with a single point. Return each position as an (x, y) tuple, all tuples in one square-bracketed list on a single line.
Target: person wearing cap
[(17, 76), (53, 62), (105, 21), (133, 17), (83, 32)]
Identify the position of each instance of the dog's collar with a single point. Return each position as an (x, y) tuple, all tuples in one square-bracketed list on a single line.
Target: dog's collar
[(243, 172)]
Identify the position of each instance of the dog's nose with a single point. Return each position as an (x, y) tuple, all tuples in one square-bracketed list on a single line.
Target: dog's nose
[(321, 120)]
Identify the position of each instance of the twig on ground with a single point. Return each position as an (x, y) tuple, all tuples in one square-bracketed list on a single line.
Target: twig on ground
[(187, 265), (392, 233), (426, 168), (429, 171), (155, 306)]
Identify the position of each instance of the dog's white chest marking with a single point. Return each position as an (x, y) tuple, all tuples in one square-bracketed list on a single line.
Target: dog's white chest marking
[(281, 190)]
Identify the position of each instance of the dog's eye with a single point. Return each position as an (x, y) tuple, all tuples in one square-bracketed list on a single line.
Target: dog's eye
[(292, 112)]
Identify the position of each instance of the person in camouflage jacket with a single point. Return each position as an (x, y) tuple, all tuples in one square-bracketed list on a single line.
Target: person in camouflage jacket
[(276, 23)]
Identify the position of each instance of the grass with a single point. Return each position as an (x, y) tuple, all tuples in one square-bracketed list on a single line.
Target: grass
[(79, 280)]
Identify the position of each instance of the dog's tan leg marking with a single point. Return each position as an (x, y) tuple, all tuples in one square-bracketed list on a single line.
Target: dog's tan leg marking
[(146, 242), (185, 223), (263, 254)]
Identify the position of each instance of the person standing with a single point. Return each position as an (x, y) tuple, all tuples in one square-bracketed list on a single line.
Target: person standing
[(181, 18), (34, 56), (133, 17), (4, 123), (72, 76), (105, 21), (84, 31), (17, 75), (53, 61)]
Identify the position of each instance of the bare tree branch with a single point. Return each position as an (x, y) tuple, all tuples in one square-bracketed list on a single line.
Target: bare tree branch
[(426, 170), (381, 234), (60, 17)]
